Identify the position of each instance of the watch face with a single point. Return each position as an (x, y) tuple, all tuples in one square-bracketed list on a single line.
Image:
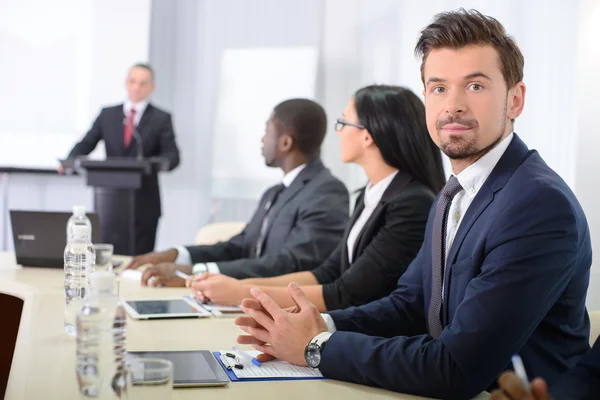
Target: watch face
[(312, 355)]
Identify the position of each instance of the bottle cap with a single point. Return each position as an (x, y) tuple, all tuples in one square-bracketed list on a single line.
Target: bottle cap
[(79, 211)]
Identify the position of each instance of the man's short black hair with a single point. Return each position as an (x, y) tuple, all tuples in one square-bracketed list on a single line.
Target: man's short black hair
[(146, 67), (307, 124)]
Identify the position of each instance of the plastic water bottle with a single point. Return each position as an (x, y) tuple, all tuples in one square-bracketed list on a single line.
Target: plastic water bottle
[(80, 259), (78, 218), (101, 370)]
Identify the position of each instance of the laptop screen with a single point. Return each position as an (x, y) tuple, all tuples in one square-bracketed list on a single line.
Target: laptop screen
[(40, 237)]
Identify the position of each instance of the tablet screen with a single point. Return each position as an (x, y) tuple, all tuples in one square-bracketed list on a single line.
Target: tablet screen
[(190, 368), (154, 307)]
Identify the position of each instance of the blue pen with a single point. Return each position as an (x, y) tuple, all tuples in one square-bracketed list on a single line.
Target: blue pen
[(248, 356)]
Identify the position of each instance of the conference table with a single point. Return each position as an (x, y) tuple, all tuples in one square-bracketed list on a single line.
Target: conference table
[(43, 365)]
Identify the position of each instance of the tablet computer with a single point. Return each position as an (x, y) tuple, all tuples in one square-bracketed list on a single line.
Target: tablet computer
[(190, 368), (169, 308)]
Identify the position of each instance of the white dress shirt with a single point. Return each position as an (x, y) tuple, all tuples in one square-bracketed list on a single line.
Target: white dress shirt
[(139, 107), (183, 255), (371, 199), (471, 179)]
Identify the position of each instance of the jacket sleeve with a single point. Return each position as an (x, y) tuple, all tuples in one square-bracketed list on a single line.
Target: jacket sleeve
[(168, 146), (374, 274), (228, 250), (318, 229), (399, 314), (90, 140), (583, 381), (223, 251), (530, 254), (330, 269)]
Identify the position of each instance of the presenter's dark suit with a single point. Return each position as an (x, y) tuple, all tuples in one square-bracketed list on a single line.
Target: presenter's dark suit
[(516, 281), (305, 225), (156, 129), (388, 242), (583, 381)]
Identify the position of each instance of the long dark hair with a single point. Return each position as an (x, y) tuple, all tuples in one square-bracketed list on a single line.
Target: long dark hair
[(395, 118)]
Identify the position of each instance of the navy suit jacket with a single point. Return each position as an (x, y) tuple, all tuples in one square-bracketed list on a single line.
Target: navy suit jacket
[(515, 282), (583, 381)]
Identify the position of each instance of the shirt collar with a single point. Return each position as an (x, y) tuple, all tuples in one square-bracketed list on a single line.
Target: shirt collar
[(373, 193), (290, 176), (474, 176), (140, 107)]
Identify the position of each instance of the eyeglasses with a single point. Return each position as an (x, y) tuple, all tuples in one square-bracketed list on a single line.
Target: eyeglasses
[(340, 123)]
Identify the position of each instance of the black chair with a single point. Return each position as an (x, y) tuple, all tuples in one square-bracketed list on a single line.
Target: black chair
[(11, 307)]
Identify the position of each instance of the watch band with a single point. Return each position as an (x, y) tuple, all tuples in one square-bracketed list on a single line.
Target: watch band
[(199, 268), (321, 338)]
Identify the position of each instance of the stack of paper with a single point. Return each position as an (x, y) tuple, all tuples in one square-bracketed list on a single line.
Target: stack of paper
[(275, 369)]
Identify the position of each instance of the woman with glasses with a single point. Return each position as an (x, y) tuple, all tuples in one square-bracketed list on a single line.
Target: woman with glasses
[(382, 130)]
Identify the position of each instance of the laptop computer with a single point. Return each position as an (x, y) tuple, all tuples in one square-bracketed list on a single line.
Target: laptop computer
[(40, 237)]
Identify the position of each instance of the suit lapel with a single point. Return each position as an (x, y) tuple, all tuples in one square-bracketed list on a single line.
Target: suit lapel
[(361, 235), (311, 169), (141, 128), (397, 185), (358, 209), (512, 158), (479, 204), (146, 117), (119, 127)]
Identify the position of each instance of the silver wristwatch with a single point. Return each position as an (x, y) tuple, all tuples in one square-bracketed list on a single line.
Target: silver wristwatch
[(314, 349)]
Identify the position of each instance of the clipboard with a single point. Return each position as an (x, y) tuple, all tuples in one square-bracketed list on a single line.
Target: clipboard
[(233, 377)]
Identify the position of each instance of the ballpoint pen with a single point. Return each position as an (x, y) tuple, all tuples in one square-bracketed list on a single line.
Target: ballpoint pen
[(182, 275), (520, 370), (247, 356)]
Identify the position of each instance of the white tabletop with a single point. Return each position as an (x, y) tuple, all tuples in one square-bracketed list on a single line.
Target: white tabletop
[(44, 360)]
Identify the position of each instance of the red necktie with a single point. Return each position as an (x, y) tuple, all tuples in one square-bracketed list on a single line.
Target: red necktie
[(129, 128)]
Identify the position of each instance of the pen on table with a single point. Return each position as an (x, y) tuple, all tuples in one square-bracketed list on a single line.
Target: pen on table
[(520, 370), (182, 275), (248, 356), (215, 313)]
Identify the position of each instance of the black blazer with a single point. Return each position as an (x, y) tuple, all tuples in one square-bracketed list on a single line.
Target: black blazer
[(156, 130), (306, 224), (390, 239)]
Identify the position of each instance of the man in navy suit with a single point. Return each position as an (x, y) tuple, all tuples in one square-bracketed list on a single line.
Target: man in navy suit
[(581, 383), (504, 267)]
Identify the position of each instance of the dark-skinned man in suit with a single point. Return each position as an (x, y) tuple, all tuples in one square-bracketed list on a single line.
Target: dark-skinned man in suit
[(297, 224)]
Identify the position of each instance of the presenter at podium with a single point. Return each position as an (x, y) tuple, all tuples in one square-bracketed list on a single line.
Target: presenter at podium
[(129, 130)]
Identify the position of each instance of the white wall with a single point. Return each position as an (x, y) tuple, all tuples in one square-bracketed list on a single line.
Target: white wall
[(587, 183), (187, 43), (61, 61), (361, 42)]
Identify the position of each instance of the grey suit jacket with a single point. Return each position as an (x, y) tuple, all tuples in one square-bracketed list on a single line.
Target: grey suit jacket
[(306, 224)]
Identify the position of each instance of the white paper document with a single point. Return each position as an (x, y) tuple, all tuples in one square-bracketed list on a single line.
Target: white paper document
[(270, 369)]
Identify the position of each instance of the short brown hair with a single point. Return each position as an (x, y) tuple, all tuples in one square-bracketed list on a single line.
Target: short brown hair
[(147, 67), (457, 29)]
